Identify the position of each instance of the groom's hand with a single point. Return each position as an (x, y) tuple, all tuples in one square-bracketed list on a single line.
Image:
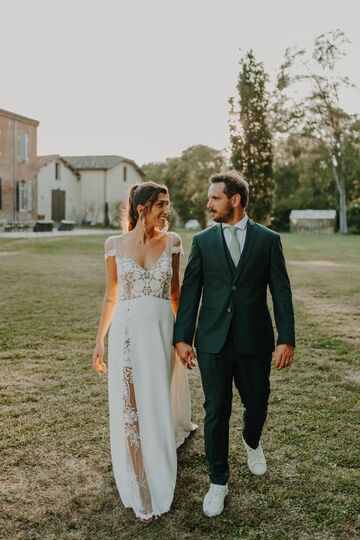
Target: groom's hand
[(186, 354), (284, 356)]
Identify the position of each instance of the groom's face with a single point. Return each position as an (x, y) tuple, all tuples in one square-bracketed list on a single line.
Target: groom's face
[(219, 206)]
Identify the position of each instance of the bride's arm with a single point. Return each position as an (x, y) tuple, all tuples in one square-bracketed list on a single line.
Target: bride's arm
[(107, 313)]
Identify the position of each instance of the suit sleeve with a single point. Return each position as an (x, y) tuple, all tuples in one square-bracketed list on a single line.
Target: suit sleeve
[(189, 297), (281, 296)]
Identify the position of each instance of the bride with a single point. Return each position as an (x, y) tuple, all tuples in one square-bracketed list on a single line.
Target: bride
[(149, 402)]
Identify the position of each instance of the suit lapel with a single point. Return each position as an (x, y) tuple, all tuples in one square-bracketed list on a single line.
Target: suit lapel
[(220, 246), (249, 244)]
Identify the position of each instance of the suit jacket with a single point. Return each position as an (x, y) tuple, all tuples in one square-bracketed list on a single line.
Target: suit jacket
[(235, 298)]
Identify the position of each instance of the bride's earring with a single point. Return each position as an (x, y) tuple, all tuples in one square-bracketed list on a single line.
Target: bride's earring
[(165, 228)]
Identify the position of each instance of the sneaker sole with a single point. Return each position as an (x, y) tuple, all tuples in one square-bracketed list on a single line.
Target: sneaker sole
[(257, 474)]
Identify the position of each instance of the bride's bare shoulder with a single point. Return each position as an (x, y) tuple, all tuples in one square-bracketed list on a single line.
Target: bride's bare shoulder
[(125, 237)]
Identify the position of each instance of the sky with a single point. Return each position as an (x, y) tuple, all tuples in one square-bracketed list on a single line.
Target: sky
[(146, 79)]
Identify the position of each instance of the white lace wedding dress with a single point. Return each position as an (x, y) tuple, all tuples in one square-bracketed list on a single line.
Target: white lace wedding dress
[(149, 402)]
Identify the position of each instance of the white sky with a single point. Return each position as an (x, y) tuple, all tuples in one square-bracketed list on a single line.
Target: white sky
[(148, 78)]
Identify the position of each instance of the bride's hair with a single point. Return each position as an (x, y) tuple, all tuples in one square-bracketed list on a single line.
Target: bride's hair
[(145, 194)]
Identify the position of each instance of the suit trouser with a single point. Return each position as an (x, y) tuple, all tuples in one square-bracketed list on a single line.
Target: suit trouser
[(251, 374)]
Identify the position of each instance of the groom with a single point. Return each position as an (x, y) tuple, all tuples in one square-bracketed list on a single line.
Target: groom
[(230, 267)]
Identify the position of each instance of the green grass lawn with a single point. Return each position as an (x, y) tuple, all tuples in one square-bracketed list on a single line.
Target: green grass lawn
[(56, 480)]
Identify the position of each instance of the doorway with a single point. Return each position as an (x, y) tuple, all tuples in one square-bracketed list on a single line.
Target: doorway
[(57, 205)]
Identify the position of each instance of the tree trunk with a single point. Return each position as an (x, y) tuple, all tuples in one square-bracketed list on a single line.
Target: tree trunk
[(340, 184), (203, 221), (342, 209)]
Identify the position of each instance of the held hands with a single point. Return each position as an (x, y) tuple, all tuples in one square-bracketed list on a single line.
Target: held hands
[(98, 362), (284, 356), (186, 353)]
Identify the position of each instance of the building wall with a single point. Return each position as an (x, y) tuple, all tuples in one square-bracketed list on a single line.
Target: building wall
[(92, 196), (101, 186), (313, 226), (117, 191), (68, 182), (15, 167)]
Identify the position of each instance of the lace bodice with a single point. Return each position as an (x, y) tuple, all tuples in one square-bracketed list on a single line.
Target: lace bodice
[(135, 281)]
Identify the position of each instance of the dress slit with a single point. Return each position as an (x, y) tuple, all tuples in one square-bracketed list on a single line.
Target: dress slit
[(134, 456)]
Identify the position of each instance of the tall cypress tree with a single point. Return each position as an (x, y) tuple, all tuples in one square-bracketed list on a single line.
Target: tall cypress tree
[(251, 144)]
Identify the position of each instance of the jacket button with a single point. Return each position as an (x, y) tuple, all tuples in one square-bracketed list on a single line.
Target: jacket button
[(234, 287), (229, 309)]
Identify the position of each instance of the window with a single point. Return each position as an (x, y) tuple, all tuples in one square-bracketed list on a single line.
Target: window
[(57, 171), (21, 190), (0, 193), (23, 148), (125, 174)]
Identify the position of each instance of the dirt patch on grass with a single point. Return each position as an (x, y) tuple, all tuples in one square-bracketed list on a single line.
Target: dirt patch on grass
[(353, 376), (340, 320), (57, 486), (318, 264)]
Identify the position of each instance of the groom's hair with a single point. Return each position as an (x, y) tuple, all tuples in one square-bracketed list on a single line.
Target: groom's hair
[(234, 183)]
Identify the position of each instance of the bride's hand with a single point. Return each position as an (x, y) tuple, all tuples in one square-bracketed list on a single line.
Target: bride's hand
[(98, 359)]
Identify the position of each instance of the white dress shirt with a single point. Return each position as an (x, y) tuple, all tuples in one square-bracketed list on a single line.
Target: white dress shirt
[(241, 232)]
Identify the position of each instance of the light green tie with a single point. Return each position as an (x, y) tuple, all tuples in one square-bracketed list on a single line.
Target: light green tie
[(234, 246)]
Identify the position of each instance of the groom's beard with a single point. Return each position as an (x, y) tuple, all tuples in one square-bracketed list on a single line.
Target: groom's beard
[(226, 215)]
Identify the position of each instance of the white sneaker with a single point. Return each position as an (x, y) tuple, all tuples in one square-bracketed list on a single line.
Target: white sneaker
[(256, 459), (213, 503)]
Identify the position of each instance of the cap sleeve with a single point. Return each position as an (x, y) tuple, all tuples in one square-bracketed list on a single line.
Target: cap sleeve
[(110, 250), (176, 244)]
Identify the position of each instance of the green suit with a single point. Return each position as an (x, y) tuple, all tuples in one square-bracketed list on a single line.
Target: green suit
[(235, 297), (234, 337)]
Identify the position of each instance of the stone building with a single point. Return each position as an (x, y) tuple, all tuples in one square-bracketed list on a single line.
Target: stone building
[(104, 184), (58, 190), (85, 189), (18, 165)]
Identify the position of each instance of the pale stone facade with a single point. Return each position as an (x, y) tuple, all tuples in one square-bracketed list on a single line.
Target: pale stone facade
[(104, 179), (56, 175)]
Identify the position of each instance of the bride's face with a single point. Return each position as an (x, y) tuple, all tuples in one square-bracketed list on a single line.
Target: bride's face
[(159, 213)]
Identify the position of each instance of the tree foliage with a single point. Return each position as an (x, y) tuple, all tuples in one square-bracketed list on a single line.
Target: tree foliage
[(301, 179), (251, 137), (319, 116), (187, 179)]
